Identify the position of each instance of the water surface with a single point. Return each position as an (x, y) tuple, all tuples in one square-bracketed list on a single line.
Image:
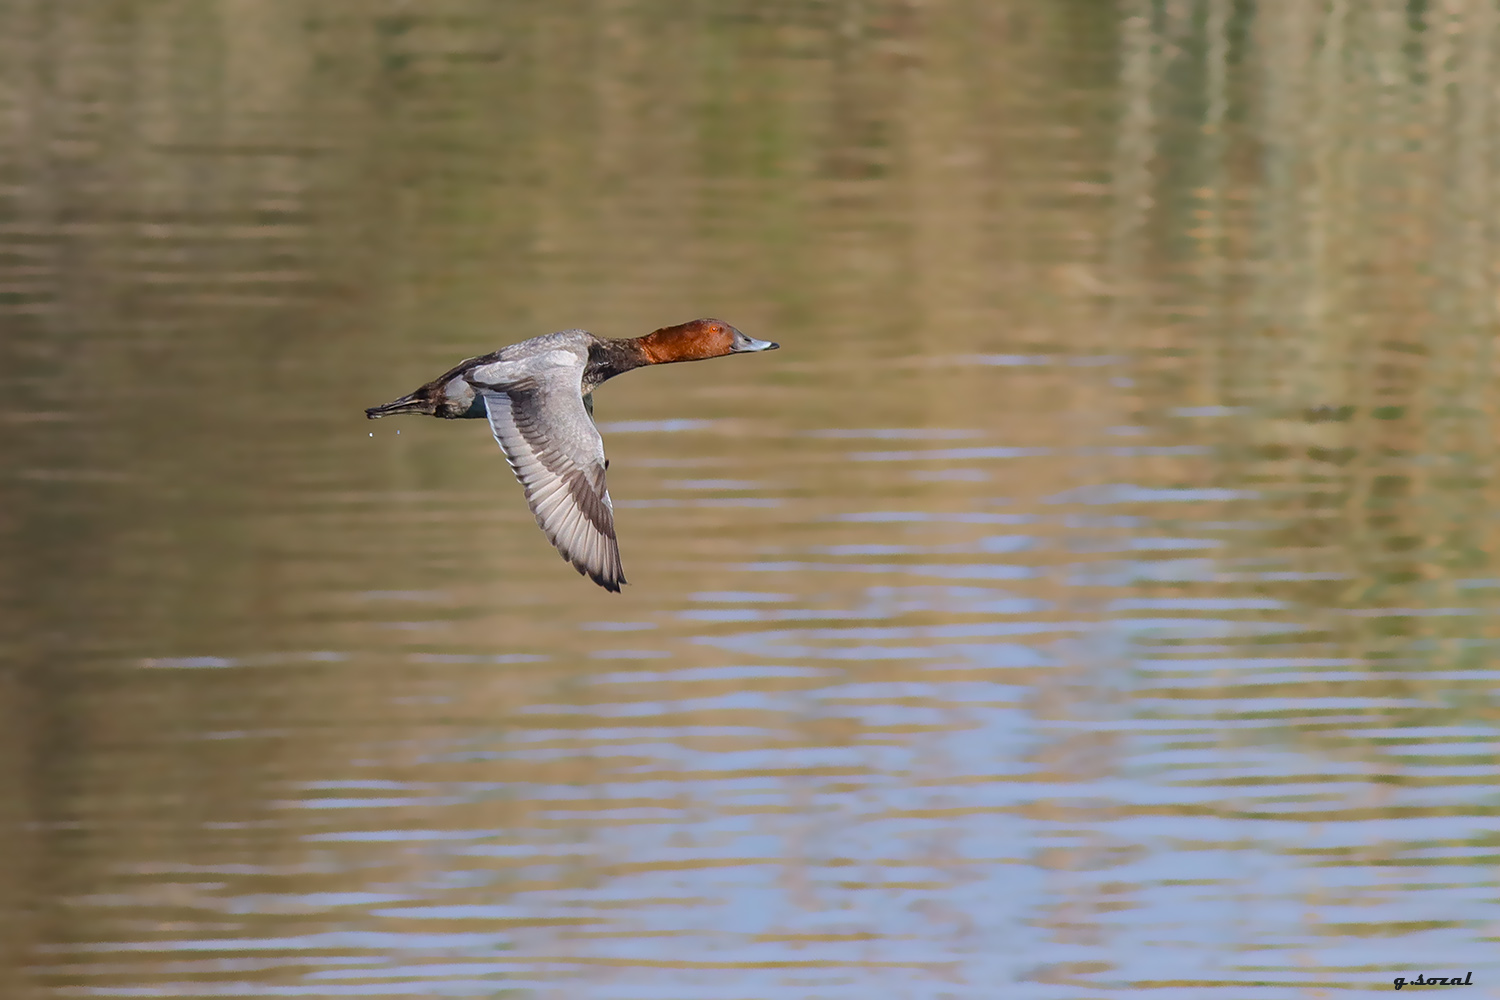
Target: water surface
[(1093, 597)]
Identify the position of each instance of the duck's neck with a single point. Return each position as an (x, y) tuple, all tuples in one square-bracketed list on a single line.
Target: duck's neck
[(608, 358)]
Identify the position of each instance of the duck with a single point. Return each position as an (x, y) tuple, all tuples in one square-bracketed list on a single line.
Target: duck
[(538, 396)]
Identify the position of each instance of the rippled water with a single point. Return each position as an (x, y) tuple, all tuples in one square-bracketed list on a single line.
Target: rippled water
[(1094, 595)]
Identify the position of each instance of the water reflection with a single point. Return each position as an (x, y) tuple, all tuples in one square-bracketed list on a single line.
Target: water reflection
[(1092, 596)]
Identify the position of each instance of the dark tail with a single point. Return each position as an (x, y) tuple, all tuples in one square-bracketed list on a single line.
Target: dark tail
[(415, 402)]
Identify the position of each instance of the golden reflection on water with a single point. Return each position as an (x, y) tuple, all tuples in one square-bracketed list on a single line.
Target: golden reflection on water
[(1093, 594)]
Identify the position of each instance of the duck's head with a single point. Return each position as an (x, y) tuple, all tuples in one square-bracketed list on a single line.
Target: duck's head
[(702, 338)]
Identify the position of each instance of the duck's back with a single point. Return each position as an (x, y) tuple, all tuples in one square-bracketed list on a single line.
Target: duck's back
[(548, 358)]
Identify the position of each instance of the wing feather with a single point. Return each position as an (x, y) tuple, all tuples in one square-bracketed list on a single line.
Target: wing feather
[(556, 453)]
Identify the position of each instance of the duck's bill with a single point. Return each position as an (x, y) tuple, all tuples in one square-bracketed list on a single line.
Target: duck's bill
[(745, 345)]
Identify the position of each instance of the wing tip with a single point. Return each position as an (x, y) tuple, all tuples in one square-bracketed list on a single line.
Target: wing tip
[(609, 583)]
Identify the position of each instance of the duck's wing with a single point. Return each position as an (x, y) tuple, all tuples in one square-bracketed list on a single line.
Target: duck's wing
[(552, 445)]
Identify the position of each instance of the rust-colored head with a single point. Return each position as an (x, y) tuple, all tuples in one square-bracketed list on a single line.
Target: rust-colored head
[(702, 338)]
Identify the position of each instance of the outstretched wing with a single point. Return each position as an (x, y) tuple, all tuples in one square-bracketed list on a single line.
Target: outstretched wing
[(555, 451)]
